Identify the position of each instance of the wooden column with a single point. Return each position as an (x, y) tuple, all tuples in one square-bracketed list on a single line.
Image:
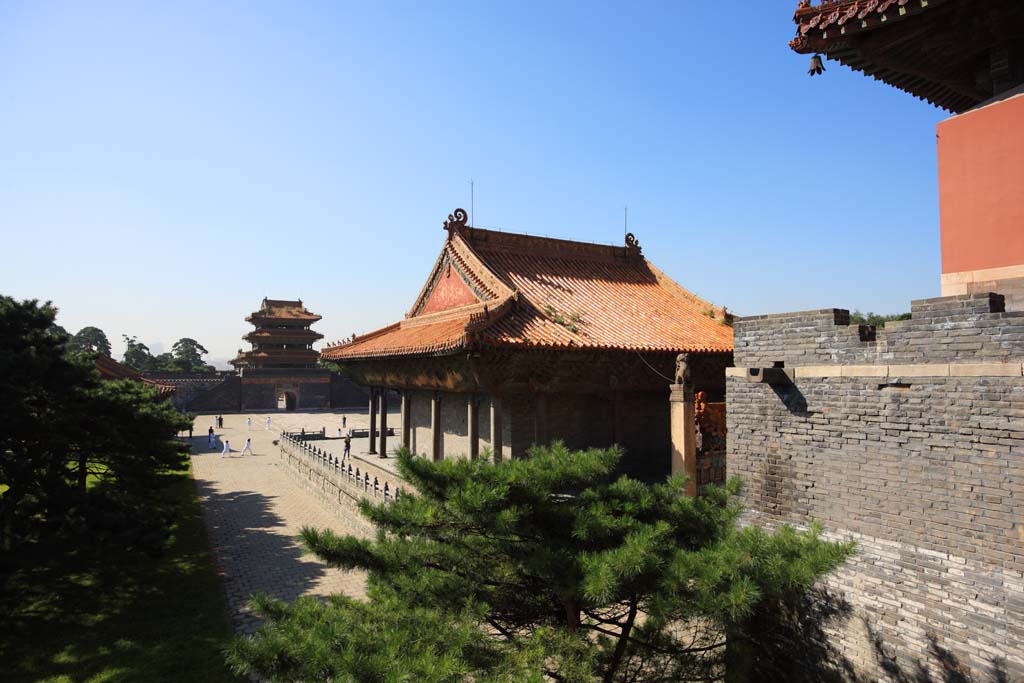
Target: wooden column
[(684, 434), (436, 435), (540, 433), (373, 420), (383, 423), (618, 418), (407, 419), (473, 425), (497, 428)]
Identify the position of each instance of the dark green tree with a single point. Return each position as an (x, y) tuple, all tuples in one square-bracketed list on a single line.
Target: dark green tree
[(876, 319), (90, 339), (164, 362), (137, 354), (37, 380), (188, 355), (556, 564), (71, 444)]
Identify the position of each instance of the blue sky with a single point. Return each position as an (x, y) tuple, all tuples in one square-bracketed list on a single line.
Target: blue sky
[(165, 166)]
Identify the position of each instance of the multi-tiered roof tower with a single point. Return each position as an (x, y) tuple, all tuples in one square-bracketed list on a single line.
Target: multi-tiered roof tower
[(281, 369), (283, 337)]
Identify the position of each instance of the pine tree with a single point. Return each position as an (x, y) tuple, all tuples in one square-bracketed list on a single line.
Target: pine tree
[(74, 449), (90, 339), (545, 565)]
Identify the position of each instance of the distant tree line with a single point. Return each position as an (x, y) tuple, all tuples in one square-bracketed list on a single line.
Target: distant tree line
[(876, 319), (80, 458), (186, 354)]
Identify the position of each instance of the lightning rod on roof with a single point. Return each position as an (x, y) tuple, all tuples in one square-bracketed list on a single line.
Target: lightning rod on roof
[(471, 203)]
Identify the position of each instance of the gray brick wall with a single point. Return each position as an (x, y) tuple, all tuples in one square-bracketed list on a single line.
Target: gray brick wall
[(927, 476)]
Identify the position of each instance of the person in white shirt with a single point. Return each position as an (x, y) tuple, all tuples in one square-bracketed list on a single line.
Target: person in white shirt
[(268, 423), (248, 447), (227, 449), (248, 424)]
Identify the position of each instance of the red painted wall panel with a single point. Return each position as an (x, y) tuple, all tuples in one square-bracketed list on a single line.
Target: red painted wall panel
[(449, 292), (981, 187)]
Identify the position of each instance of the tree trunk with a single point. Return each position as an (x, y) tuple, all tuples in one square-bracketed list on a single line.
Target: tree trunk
[(620, 647), (739, 658), (572, 616)]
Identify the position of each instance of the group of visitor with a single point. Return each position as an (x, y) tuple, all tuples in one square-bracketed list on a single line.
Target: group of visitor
[(219, 422)]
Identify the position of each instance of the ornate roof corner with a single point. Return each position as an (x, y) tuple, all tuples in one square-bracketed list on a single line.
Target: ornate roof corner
[(632, 245), (456, 222)]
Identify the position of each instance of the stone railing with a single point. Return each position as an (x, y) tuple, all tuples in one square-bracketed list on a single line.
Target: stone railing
[(339, 482)]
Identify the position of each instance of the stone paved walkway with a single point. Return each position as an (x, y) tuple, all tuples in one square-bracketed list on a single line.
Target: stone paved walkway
[(254, 513)]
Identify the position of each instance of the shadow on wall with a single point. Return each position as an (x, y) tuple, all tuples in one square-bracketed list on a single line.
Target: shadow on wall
[(791, 642), (791, 397)]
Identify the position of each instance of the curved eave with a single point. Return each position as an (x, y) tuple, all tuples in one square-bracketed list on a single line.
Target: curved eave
[(257, 318), (462, 345), (284, 338), (430, 351), (571, 346)]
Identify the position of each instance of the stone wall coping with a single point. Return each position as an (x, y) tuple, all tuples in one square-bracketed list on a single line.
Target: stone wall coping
[(1014, 369), (973, 296), (819, 371), (835, 312), (865, 370)]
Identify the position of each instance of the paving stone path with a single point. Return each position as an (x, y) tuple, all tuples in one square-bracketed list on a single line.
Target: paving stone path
[(254, 512)]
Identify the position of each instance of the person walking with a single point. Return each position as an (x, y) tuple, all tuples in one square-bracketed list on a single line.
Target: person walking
[(248, 447), (213, 437), (348, 446), (248, 424), (343, 420), (190, 432), (339, 432), (227, 449), (268, 423)]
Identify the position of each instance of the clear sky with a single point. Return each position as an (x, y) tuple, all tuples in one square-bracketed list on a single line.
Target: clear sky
[(164, 166)]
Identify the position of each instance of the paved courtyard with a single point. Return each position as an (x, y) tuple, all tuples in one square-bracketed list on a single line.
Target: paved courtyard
[(254, 512)]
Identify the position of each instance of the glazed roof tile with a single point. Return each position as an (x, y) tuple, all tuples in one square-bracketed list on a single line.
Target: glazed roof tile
[(549, 293), (281, 309)]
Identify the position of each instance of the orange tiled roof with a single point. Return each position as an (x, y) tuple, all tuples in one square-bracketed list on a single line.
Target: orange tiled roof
[(281, 309), (275, 334), (110, 369), (538, 292)]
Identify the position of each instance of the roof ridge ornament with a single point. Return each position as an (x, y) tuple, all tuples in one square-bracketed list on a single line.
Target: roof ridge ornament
[(632, 245), (456, 221)]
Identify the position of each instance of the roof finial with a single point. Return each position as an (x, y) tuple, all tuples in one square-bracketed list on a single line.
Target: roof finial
[(632, 246), (456, 221)]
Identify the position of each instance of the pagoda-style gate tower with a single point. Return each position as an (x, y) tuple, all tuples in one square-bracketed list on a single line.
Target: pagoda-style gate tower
[(281, 369)]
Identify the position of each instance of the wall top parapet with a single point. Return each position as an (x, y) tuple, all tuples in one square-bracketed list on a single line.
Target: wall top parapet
[(897, 371)]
